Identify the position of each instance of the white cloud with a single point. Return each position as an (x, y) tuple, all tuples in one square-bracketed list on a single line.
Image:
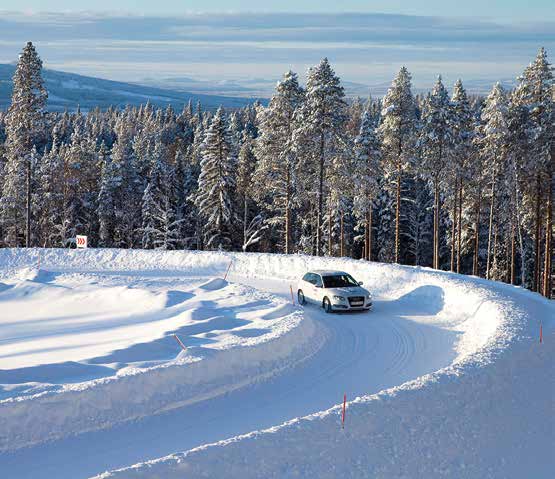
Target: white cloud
[(366, 48)]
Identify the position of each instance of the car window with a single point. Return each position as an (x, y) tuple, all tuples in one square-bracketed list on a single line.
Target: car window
[(306, 277), (317, 280), (339, 281)]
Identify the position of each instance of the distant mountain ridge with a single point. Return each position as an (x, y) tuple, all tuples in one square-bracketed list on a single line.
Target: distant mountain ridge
[(69, 90), (265, 87)]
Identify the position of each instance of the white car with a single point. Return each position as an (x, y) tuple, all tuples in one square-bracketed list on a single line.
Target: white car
[(334, 291)]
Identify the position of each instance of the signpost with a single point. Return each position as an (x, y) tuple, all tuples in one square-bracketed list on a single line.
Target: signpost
[(81, 241)]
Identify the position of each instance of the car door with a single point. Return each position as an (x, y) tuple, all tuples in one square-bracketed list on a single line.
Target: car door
[(308, 289), (311, 292), (306, 286), (318, 289)]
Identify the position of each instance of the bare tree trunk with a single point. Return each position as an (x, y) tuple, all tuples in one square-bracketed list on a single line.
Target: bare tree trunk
[(490, 229), (548, 242), (436, 224), (459, 229), (454, 227), (245, 208), (475, 271), (537, 238), (320, 197), (370, 234), (28, 203), (397, 214), (366, 238), (494, 252), (288, 214), (342, 235), (314, 234), (513, 254), (330, 241), (508, 241)]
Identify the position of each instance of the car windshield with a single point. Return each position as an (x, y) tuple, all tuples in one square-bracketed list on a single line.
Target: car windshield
[(339, 281)]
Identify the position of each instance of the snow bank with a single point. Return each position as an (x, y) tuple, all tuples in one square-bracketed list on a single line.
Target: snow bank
[(488, 415), (221, 367)]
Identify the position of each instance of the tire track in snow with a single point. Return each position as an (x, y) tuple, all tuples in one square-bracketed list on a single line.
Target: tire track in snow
[(364, 353)]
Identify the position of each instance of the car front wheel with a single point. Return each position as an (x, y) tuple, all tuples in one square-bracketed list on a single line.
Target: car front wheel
[(327, 305), (301, 298)]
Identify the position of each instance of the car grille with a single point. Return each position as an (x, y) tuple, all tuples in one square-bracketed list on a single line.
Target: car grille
[(356, 300)]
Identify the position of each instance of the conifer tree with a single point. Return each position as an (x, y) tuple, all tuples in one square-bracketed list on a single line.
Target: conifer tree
[(535, 93), (398, 134), (460, 165), (217, 183), (493, 144), (275, 175), (109, 181), (160, 229), (435, 144), (367, 171), (321, 123), (24, 123), (253, 224)]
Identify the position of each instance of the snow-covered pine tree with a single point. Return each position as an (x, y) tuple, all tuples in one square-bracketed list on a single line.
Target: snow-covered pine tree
[(339, 199), (24, 122), (109, 181), (460, 168), (355, 112), (274, 177), (183, 182), (194, 159), (535, 93), (319, 135), (435, 143), (235, 133), (48, 192), (217, 182), (398, 135), (493, 142), (128, 186), (366, 172), (253, 223), (160, 227)]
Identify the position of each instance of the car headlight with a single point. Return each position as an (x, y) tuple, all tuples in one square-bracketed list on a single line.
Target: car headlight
[(339, 298)]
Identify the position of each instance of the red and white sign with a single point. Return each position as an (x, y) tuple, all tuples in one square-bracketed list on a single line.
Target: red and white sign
[(81, 241)]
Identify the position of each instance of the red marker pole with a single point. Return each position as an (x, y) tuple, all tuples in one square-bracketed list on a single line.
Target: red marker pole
[(541, 333), (179, 341), (292, 297), (343, 414), (228, 268)]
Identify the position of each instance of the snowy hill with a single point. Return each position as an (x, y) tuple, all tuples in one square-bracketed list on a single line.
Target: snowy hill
[(446, 377), (67, 90)]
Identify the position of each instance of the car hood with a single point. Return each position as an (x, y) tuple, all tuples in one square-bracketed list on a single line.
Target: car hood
[(351, 291)]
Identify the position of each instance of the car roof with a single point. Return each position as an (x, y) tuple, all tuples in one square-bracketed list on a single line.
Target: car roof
[(326, 272)]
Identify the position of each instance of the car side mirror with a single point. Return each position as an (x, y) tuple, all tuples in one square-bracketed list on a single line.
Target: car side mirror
[(360, 283), (318, 285)]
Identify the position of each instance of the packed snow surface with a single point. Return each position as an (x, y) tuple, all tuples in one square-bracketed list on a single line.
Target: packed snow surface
[(445, 377)]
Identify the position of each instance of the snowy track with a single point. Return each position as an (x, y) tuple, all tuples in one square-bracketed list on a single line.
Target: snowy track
[(420, 324)]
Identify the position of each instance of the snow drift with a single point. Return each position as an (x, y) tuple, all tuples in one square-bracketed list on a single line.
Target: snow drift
[(237, 352), (488, 414)]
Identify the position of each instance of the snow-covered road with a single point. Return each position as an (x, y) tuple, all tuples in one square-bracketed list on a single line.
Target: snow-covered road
[(254, 362), (363, 353)]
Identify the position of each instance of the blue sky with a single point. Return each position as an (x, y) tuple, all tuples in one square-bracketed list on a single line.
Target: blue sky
[(221, 41), (497, 9)]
